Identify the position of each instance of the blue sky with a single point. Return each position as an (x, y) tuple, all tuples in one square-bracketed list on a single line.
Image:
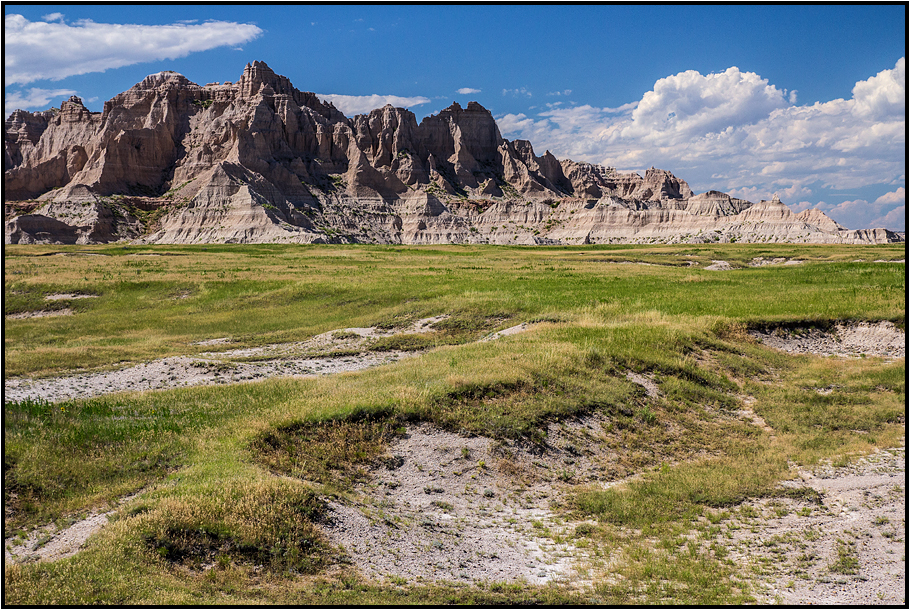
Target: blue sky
[(805, 101)]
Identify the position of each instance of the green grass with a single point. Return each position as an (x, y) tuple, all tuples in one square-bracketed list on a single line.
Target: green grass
[(238, 476), (193, 293)]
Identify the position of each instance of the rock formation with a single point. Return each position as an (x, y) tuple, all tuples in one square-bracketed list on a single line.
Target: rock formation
[(170, 161)]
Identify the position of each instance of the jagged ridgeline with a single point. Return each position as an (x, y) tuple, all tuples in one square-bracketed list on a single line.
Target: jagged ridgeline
[(254, 161)]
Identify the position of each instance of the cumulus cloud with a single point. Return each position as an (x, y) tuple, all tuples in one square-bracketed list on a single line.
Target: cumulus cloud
[(884, 96), (33, 99), (755, 193), (796, 208), (689, 105), (898, 196), (886, 211), (467, 91), (53, 49), (362, 104), (564, 92), (896, 220), (853, 214), (735, 130), (621, 109)]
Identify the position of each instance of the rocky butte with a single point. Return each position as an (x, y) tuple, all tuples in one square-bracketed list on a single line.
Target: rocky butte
[(254, 161)]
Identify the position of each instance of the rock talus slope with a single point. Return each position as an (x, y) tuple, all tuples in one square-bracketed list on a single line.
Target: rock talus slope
[(170, 161)]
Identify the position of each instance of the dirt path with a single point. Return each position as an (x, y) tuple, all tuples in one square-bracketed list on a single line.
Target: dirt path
[(50, 543), (214, 368), (184, 371)]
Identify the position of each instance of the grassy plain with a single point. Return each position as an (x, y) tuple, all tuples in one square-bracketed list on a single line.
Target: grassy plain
[(208, 457)]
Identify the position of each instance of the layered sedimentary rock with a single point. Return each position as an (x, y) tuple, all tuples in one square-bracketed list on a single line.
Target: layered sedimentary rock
[(257, 160)]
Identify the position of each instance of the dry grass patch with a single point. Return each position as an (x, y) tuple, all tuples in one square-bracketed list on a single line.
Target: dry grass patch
[(269, 524), (333, 452)]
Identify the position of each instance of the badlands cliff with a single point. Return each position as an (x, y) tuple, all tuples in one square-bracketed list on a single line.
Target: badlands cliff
[(170, 161)]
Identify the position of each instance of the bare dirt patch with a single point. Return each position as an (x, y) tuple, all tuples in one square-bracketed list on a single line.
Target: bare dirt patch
[(217, 341), (66, 296), (746, 413), (447, 507), (332, 352), (647, 382), (852, 340), (343, 339), (66, 311), (520, 328), (847, 550), (761, 261), (719, 266)]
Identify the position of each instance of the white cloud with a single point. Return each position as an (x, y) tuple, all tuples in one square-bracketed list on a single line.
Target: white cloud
[(523, 91), (885, 212), (54, 50), (853, 214), (734, 130), (689, 105), (896, 220), (622, 109), (898, 196), (564, 92), (53, 17), (884, 96), (801, 206), (362, 104), (467, 91), (33, 99), (755, 193)]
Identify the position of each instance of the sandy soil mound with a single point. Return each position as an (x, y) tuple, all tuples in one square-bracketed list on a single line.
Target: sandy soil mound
[(845, 339)]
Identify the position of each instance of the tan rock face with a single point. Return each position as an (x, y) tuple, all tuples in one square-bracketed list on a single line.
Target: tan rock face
[(259, 161)]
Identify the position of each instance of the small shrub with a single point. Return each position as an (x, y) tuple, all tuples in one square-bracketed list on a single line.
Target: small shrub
[(847, 562)]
